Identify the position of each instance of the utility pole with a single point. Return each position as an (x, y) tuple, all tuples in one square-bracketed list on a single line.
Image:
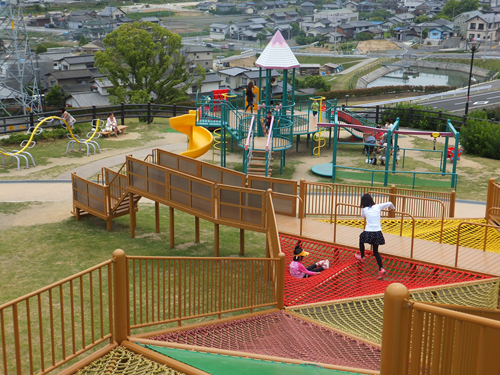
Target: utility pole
[(486, 40)]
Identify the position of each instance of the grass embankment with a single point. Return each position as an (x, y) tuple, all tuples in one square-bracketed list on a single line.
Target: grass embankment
[(478, 62)]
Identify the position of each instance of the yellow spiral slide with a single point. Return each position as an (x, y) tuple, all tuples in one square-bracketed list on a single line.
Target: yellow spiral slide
[(200, 139), (27, 145)]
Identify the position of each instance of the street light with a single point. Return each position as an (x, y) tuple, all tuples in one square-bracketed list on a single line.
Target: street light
[(474, 46)]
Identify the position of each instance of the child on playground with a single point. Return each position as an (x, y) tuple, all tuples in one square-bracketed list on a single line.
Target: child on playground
[(250, 96), (111, 123), (298, 270), (314, 108), (373, 230), (70, 120), (266, 123)]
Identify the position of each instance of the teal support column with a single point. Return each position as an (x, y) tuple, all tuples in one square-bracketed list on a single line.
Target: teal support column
[(260, 85), (387, 157), (455, 160), (285, 92), (293, 90), (445, 154), (394, 161), (334, 152), (282, 161), (268, 89)]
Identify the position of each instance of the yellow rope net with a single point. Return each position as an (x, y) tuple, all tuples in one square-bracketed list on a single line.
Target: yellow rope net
[(123, 361), (363, 317), (471, 236)]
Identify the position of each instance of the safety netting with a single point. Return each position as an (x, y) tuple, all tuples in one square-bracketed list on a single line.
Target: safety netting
[(347, 278), (471, 236), (363, 317), (124, 362), (217, 364), (281, 334)]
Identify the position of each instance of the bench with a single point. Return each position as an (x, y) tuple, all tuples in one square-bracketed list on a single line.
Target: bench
[(108, 133)]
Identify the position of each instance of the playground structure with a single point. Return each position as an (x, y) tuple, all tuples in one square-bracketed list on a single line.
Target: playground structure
[(148, 293), (37, 130), (140, 314), (200, 139)]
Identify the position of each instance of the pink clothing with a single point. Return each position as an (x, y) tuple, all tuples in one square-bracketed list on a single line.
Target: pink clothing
[(298, 270)]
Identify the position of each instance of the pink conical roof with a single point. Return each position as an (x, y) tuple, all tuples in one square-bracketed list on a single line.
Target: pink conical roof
[(277, 55)]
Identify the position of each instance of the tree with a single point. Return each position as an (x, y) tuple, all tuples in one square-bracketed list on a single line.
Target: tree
[(40, 49), (54, 98), (380, 13), (421, 19), (364, 36), (260, 37), (144, 63), (83, 41), (425, 33)]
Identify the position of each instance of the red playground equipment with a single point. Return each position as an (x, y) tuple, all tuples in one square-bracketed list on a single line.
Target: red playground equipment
[(450, 154)]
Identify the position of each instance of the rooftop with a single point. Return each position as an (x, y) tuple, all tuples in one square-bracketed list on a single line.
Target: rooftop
[(88, 99)]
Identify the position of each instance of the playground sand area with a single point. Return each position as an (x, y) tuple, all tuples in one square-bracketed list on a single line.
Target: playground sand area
[(376, 45)]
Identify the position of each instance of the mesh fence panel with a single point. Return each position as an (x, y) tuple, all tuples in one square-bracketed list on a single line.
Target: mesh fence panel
[(123, 361), (471, 236), (363, 317), (347, 278), (283, 335)]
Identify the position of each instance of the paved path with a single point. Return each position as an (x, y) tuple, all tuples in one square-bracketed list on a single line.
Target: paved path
[(357, 66)]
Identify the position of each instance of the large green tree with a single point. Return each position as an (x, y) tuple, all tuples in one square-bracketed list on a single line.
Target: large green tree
[(144, 63), (54, 98)]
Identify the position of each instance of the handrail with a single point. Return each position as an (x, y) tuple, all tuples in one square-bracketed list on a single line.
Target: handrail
[(423, 199), (492, 209), (485, 235), (400, 230), (301, 204), (250, 130), (270, 132), (322, 185)]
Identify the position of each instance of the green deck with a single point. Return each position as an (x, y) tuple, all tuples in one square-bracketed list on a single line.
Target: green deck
[(216, 364)]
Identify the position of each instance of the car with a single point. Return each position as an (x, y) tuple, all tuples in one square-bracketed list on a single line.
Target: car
[(225, 46), (209, 45)]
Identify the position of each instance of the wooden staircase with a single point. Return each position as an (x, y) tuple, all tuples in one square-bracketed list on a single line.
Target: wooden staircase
[(257, 166)]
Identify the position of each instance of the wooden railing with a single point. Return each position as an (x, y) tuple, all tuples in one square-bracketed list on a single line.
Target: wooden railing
[(89, 196), (427, 339), (174, 289), (492, 199), (284, 204), (485, 240), (55, 324), (319, 199)]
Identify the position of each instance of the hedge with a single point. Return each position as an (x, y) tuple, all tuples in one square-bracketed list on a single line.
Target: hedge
[(59, 132), (340, 94)]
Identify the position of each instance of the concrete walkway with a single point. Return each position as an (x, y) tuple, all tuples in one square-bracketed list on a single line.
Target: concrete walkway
[(357, 66)]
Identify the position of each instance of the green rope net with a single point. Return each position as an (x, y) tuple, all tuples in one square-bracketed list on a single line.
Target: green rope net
[(123, 361), (363, 317)]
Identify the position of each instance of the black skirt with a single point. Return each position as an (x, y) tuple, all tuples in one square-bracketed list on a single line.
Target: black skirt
[(372, 238)]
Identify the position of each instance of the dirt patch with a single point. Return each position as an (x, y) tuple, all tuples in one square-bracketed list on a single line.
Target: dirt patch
[(44, 213), (376, 45)]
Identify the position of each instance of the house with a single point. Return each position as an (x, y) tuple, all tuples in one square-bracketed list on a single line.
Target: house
[(336, 5), (76, 62), (278, 17), (219, 31), (292, 16), (331, 68), (351, 5), (154, 20), (69, 77), (309, 69), (207, 5), (92, 47), (484, 27), (461, 20), (376, 32), (307, 8), (111, 13), (102, 85), (198, 55), (412, 5), (224, 7), (238, 77), (334, 37), (336, 15), (246, 8), (76, 18), (352, 29), (212, 82), (235, 29), (404, 18), (39, 21), (407, 33), (422, 9), (86, 99), (54, 55)]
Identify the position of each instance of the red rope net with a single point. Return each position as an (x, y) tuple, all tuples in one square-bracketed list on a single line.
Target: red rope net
[(347, 278), (282, 335)]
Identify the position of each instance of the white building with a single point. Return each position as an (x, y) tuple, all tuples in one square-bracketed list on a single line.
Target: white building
[(219, 31)]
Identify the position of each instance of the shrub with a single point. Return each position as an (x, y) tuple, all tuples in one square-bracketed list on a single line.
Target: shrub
[(47, 134), (481, 137)]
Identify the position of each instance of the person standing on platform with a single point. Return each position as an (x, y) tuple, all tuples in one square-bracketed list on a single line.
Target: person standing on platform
[(373, 230), (250, 96)]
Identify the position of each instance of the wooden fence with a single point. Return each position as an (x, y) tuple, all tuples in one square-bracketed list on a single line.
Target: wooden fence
[(493, 202)]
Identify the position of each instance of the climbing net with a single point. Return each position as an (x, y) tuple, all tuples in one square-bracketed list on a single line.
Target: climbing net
[(281, 334), (471, 236), (123, 361), (347, 278), (363, 317)]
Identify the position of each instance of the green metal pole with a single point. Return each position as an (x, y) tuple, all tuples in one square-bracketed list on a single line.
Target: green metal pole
[(293, 90), (396, 127), (387, 156), (445, 154), (260, 85), (268, 88), (455, 160), (334, 151), (285, 92)]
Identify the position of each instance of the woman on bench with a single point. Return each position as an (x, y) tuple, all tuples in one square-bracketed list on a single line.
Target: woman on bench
[(111, 123)]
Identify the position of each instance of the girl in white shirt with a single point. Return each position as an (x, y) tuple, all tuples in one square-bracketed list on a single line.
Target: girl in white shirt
[(373, 230), (112, 124)]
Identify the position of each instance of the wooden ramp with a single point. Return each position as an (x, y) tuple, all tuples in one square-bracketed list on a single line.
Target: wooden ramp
[(425, 251)]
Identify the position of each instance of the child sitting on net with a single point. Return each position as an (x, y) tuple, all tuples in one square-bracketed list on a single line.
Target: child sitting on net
[(298, 270)]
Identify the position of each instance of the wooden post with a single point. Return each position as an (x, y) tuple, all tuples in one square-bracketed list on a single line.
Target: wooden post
[(108, 225), (123, 113), (216, 240), (392, 198), (197, 229), (172, 228), (149, 113), (132, 214), (94, 113), (452, 203), (120, 285), (157, 216), (396, 329), (77, 213), (242, 242), (489, 198), (302, 195), (280, 289)]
